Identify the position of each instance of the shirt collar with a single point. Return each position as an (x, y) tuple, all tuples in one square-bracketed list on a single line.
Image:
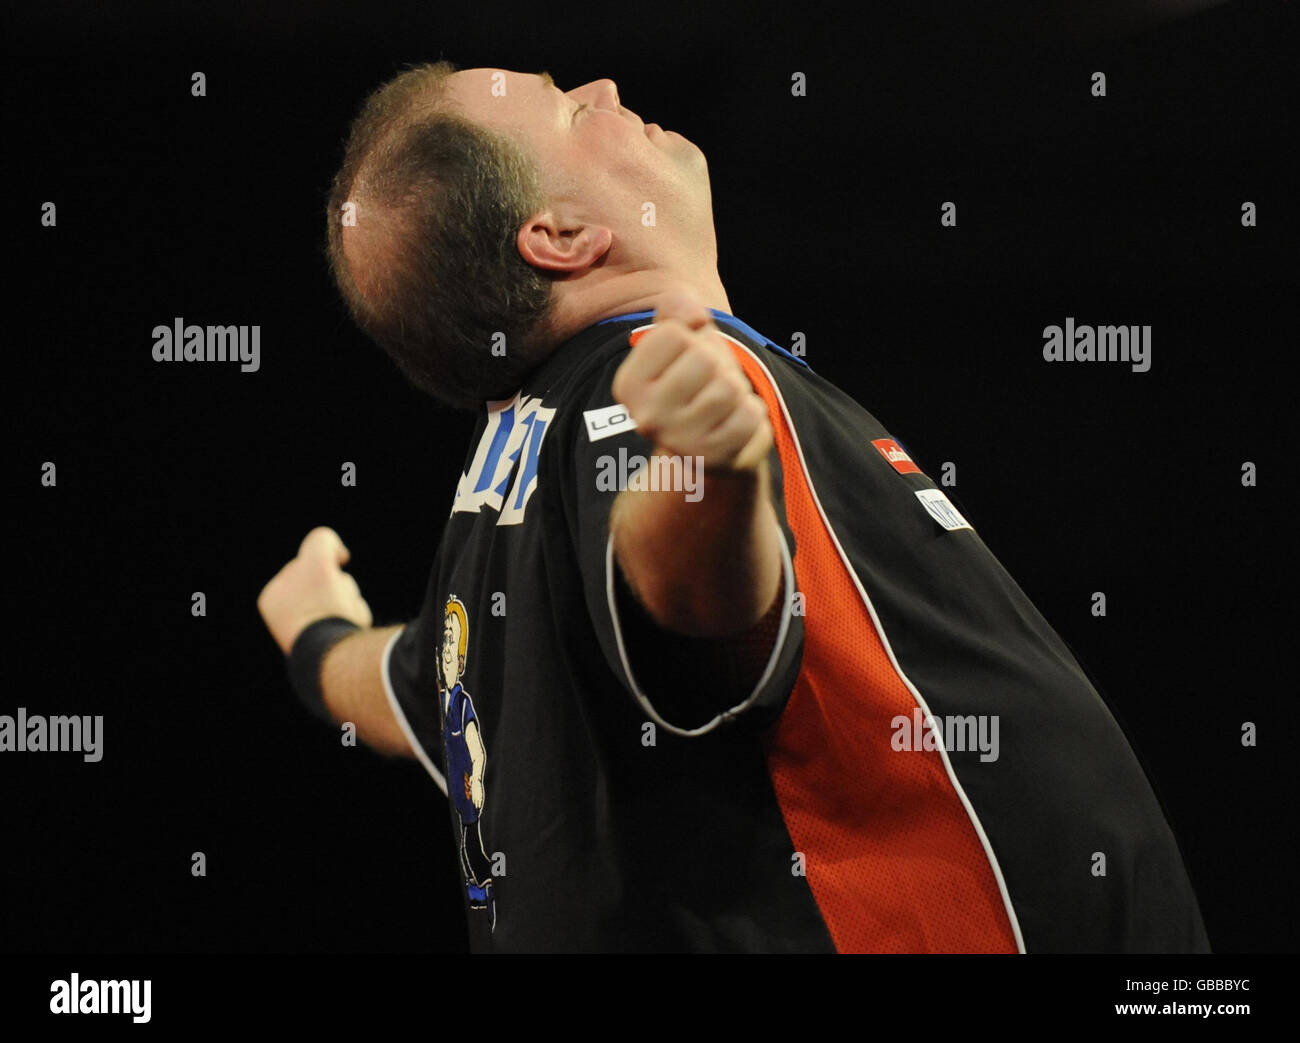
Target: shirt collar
[(723, 319)]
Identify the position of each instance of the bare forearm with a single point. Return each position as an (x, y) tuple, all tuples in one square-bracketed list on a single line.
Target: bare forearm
[(708, 568), (353, 687)]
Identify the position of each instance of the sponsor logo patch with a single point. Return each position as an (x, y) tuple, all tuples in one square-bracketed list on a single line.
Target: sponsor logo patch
[(608, 421), (893, 452)]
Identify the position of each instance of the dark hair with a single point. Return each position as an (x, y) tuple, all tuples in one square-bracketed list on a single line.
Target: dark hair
[(432, 272)]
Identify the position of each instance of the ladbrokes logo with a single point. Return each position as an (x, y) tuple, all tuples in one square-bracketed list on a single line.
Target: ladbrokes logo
[(894, 453)]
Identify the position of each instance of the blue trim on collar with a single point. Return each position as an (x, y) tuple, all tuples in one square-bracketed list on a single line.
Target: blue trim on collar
[(726, 320)]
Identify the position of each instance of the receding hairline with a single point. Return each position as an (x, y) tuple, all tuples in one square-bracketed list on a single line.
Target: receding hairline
[(369, 251), (415, 93), (432, 80)]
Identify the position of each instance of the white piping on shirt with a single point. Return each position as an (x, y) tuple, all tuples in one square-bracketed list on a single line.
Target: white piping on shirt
[(884, 640), (401, 717), (787, 568)]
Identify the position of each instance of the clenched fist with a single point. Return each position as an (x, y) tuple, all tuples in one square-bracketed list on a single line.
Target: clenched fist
[(689, 395), (312, 586)]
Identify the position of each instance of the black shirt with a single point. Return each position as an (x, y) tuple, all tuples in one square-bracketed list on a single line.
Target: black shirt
[(603, 800)]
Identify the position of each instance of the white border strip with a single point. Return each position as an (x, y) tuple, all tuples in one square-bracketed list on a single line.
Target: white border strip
[(884, 640), (787, 612), (401, 717)]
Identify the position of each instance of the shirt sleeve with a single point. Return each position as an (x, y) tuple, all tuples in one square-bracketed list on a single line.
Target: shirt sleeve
[(602, 448), (408, 665)]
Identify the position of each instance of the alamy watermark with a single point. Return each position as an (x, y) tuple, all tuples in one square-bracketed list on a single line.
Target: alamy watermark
[(661, 472), (37, 734), (958, 734), (1098, 344), (71, 995), (181, 343)]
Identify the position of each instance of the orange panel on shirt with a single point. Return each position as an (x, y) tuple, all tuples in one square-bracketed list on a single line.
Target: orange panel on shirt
[(893, 860)]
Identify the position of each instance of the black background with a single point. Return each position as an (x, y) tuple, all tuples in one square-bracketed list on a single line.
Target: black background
[(176, 479)]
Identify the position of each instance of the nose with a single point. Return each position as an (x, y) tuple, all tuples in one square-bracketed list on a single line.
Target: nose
[(605, 94)]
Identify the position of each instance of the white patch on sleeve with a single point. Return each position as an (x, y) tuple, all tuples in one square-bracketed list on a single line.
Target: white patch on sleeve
[(942, 510), (607, 422)]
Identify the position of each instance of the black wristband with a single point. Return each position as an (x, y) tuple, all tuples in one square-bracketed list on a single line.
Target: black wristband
[(305, 658)]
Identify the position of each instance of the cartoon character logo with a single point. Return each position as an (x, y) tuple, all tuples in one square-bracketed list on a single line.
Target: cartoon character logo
[(462, 737)]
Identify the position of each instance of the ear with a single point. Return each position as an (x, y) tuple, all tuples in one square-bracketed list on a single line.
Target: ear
[(544, 243)]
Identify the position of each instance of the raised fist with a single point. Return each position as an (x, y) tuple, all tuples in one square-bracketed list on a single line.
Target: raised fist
[(688, 394), (310, 587)]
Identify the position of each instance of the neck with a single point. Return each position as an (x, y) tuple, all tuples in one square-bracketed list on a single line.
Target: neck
[(602, 296)]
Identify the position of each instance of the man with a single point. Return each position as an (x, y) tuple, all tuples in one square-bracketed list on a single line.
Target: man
[(745, 678)]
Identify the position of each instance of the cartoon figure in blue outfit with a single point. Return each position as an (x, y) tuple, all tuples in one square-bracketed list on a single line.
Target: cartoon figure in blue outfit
[(466, 758)]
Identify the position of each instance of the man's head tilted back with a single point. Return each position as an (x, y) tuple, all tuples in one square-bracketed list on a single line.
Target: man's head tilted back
[(482, 202)]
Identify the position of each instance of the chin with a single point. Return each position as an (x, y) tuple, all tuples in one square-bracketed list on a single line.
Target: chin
[(686, 151)]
